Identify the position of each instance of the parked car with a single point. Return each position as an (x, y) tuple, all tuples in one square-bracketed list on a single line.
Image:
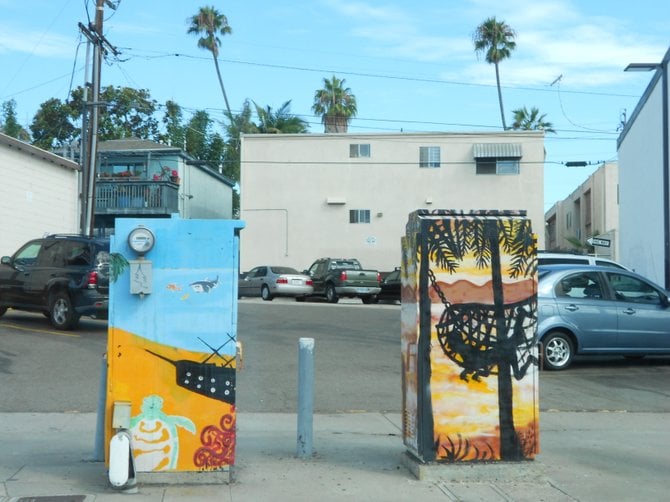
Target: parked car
[(548, 258), (268, 281), (337, 277), (390, 287), (592, 310), (62, 276)]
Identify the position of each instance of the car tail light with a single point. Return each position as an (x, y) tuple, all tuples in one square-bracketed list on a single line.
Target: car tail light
[(309, 282), (92, 281), (343, 275), (379, 277), (282, 280)]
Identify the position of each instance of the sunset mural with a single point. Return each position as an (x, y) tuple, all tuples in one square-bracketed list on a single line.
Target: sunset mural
[(469, 280)]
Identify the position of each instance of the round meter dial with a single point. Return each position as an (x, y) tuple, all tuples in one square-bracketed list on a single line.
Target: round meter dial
[(141, 240)]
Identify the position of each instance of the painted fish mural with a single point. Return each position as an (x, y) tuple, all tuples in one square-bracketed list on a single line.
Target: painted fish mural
[(204, 286)]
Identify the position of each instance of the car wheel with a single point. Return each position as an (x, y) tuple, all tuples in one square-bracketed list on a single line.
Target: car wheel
[(331, 294), (265, 293), (61, 311), (367, 300), (557, 351)]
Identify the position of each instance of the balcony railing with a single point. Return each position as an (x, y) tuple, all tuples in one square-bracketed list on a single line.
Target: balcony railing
[(136, 197)]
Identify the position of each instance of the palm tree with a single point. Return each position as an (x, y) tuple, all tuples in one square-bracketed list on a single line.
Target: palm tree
[(497, 339), (531, 121), (206, 24), (336, 105), (496, 40), (240, 124), (280, 121)]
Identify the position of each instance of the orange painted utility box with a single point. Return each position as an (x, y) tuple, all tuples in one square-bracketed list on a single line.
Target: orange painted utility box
[(172, 342), (469, 348)]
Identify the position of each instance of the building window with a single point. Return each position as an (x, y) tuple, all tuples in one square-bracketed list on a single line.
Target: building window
[(359, 216), (362, 150), (122, 168), (497, 166), (497, 158), (429, 156)]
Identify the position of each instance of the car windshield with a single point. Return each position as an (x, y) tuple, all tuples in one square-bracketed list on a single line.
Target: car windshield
[(284, 270), (344, 265), (393, 276)]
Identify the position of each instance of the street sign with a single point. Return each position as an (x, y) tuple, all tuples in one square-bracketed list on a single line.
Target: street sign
[(596, 241)]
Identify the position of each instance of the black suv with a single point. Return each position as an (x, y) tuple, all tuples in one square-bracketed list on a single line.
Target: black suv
[(63, 276)]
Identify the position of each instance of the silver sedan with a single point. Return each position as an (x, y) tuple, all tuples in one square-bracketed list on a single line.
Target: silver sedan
[(269, 281), (592, 310)]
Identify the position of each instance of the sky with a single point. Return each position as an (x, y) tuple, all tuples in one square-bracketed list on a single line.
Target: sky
[(411, 65)]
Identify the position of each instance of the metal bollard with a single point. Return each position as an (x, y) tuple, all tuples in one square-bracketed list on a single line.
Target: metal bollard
[(305, 396)]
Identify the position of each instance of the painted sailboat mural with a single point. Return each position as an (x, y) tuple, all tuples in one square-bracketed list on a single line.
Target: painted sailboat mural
[(468, 336)]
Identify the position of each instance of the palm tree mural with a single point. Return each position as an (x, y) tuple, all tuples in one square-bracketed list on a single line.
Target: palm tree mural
[(496, 40), (497, 339), (336, 105), (531, 120), (208, 23)]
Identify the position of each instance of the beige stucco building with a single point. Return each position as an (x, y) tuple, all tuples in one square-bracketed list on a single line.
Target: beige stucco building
[(305, 196), (591, 210), (39, 194)]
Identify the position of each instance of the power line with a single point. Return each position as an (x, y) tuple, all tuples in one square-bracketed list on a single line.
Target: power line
[(560, 101), (372, 75), (356, 121), (129, 52)]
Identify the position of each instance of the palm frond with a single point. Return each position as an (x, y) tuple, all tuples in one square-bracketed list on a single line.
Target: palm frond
[(117, 265)]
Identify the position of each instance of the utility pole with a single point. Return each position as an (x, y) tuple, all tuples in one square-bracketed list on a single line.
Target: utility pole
[(91, 116), (83, 147)]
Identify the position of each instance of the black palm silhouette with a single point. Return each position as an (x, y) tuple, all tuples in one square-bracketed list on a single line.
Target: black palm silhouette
[(497, 339)]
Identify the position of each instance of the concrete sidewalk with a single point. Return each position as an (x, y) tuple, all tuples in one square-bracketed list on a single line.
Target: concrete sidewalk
[(357, 456)]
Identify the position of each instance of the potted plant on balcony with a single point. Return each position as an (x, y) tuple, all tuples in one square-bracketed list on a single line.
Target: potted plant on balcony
[(167, 174)]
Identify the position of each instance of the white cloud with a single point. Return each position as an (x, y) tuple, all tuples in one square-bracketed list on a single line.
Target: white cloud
[(365, 11), (553, 37), (35, 43)]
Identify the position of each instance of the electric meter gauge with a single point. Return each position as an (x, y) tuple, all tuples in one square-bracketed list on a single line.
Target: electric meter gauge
[(141, 240)]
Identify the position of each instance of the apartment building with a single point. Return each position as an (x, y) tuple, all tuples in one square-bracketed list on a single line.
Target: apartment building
[(305, 196), (591, 210)]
